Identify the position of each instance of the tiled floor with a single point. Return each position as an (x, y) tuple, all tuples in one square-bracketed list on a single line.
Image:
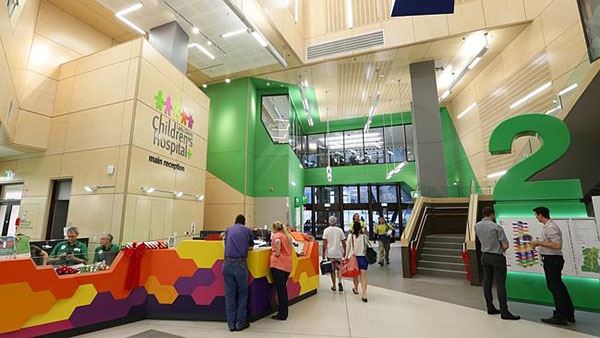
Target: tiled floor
[(389, 313)]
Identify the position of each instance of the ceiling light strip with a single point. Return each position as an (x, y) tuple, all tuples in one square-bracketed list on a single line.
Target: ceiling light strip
[(466, 111), (529, 96), (202, 49), (121, 16), (476, 59), (568, 89), (349, 14), (234, 33), (238, 12)]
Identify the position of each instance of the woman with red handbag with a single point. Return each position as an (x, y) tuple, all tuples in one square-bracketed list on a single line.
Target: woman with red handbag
[(357, 244)]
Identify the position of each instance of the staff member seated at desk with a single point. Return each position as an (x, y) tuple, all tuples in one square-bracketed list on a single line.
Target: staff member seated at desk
[(69, 252), (107, 251)]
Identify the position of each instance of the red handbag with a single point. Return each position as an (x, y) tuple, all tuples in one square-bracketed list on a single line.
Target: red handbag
[(350, 265)]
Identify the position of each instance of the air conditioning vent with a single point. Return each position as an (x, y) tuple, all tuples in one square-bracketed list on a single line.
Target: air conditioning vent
[(355, 43)]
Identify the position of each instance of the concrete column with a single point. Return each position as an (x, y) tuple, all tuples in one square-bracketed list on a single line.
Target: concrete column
[(172, 42), (427, 127)]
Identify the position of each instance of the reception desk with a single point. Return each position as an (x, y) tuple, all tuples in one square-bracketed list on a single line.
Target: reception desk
[(182, 283)]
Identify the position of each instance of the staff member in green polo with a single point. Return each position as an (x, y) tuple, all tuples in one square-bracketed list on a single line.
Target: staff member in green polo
[(106, 246), (69, 252)]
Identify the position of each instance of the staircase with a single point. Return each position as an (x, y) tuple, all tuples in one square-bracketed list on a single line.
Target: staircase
[(441, 256)]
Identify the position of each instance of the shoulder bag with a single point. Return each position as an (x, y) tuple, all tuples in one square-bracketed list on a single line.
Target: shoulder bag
[(350, 265), (370, 252)]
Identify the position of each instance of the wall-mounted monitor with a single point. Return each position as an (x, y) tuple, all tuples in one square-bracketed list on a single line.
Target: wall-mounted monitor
[(590, 18), (422, 7)]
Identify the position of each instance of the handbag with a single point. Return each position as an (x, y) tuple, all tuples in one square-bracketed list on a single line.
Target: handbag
[(350, 265), (326, 266), (370, 253)]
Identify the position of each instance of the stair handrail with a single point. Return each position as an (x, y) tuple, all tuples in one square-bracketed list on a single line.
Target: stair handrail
[(407, 234), (471, 221)]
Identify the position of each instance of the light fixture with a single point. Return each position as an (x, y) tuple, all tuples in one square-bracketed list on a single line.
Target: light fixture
[(293, 183), (477, 43), (466, 111), (209, 43), (195, 30), (445, 94), (177, 194), (296, 10), (530, 95), (396, 170), (373, 109), (268, 84), (234, 33), (202, 49), (553, 110), (349, 14), (329, 174), (204, 85), (497, 174), (92, 188), (148, 190), (260, 39), (474, 62), (121, 16), (200, 197), (227, 80), (568, 89)]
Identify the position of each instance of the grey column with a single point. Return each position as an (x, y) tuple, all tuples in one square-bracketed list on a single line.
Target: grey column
[(427, 128), (172, 42)]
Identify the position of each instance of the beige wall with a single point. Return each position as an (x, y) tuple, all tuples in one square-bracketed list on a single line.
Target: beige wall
[(102, 112), (224, 203), (325, 20), (551, 48), (37, 39)]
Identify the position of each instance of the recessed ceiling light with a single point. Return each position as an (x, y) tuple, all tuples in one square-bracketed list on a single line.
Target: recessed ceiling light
[(204, 85), (268, 83), (260, 39), (195, 30), (121, 16), (227, 80), (208, 43), (234, 33), (202, 49), (530, 95)]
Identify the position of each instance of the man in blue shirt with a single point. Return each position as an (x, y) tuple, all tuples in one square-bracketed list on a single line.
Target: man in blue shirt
[(238, 240)]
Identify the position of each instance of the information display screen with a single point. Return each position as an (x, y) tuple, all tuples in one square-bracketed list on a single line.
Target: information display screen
[(590, 17), (420, 7)]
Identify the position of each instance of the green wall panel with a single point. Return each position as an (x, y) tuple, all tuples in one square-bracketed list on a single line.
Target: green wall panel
[(362, 174), (459, 173), (229, 167)]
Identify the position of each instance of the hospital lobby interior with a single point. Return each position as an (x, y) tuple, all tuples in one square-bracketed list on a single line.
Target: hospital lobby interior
[(456, 141)]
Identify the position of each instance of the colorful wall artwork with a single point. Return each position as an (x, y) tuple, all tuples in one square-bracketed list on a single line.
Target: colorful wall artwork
[(182, 283)]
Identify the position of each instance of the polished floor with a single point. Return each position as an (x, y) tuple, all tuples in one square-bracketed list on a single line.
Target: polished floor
[(420, 307)]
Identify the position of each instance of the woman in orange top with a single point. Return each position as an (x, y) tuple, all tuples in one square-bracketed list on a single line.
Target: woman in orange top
[(281, 266)]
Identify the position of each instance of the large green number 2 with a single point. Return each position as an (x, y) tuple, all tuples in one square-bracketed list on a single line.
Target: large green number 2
[(555, 138)]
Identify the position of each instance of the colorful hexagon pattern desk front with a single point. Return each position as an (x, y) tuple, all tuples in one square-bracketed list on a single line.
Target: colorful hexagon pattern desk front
[(181, 283)]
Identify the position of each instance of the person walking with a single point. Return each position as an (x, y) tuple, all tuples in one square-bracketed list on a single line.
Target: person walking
[(493, 245), (384, 231), (238, 240), (334, 248), (281, 266), (550, 248), (356, 218), (357, 244)]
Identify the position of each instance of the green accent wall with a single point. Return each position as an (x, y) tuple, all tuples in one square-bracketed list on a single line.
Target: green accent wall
[(459, 173), (362, 174), (228, 155)]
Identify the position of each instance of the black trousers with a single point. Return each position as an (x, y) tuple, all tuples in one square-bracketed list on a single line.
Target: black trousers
[(494, 270), (280, 278), (553, 266)]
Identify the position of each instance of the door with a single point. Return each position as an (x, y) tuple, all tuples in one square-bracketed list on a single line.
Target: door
[(59, 208), (10, 204)]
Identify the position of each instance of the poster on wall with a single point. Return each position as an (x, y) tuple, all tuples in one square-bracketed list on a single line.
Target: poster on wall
[(522, 257), (587, 259), (7, 247), (583, 230)]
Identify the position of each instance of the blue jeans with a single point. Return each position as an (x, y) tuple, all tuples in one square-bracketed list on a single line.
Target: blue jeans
[(236, 293)]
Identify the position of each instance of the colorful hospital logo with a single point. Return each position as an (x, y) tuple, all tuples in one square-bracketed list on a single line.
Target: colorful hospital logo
[(174, 132)]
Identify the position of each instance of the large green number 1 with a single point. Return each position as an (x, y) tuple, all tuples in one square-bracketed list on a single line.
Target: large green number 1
[(555, 138)]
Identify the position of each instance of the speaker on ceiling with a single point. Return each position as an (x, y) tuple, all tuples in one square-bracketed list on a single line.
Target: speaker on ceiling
[(422, 7)]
